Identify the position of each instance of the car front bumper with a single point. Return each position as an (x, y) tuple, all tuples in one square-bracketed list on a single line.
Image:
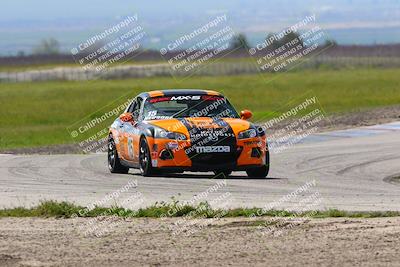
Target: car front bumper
[(171, 154)]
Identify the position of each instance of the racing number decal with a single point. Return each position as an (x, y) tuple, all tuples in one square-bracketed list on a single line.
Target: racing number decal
[(130, 147), (152, 113)]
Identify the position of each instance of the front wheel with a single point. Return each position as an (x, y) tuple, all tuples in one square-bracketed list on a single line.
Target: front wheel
[(144, 158), (260, 172), (114, 164)]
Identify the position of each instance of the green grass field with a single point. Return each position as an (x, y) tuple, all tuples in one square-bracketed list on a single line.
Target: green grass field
[(36, 114)]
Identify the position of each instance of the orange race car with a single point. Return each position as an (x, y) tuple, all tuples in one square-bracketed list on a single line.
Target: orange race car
[(186, 130)]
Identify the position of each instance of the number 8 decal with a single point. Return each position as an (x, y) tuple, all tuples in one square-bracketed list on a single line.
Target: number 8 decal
[(130, 147)]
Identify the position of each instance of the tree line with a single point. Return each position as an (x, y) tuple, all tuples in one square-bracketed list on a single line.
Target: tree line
[(51, 46)]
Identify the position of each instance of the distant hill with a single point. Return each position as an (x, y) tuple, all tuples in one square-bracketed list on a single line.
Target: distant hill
[(24, 23)]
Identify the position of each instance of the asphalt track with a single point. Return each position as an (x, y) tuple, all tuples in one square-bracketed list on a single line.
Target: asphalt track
[(349, 170)]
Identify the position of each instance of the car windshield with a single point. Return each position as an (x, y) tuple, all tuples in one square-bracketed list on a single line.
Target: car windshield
[(166, 107)]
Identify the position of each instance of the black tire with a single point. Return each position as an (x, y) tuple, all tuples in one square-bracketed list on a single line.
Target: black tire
[(114, 164), (144, 159), (224, 173), (260, 172)]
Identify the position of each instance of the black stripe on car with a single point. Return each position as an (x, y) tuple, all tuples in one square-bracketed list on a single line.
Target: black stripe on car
[(210, 143)]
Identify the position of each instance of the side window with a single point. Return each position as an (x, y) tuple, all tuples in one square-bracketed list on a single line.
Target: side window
[(131, 107), (136, 108)]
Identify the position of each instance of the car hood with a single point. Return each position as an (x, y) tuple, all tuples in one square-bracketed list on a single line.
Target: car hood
[(184, 125)]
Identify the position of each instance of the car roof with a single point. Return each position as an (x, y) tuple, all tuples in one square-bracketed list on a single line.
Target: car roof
[(170, 92)]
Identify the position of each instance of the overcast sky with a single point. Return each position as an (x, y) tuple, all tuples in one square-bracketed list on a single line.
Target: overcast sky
[(50, 9)]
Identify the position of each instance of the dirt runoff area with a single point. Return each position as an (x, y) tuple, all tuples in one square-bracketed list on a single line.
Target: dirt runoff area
[(206, 242)]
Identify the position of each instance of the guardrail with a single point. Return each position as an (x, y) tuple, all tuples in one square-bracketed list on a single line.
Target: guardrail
[(209, 69)]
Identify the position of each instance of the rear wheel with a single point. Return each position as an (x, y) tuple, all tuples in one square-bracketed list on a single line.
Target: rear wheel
[(260, 172), (144, 159), (224, 173), (114, 164)]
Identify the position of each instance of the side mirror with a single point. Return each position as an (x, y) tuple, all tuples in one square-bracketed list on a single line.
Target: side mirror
[(126, 117), (245, 114)]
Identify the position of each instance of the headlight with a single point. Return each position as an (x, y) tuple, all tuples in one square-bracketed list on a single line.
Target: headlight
[(250, 133), (261, 130), (161, 133)]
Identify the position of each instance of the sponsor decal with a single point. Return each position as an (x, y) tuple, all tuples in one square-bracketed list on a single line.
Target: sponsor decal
[(152, 115), (250, 143), (159, 99), (209, 125), (213, 134), (186, 97), (172, 145), (212, 98), (213, 149)]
